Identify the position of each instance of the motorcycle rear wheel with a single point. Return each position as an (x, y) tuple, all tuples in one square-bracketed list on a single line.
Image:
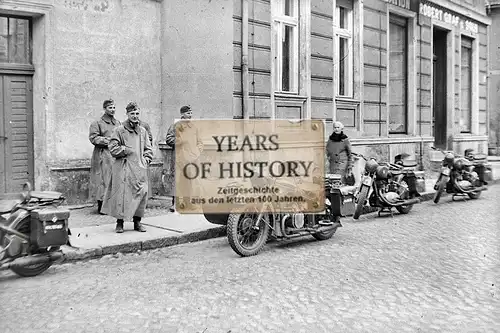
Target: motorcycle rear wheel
[(32, 270), (363, 194), (243, 223), (474, 195), (327, 234)]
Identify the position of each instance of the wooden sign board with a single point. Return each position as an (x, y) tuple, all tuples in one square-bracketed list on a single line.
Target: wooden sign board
[(227, 166)]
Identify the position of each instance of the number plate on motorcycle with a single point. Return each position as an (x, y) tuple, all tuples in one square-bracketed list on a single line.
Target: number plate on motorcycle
[(231, 166)]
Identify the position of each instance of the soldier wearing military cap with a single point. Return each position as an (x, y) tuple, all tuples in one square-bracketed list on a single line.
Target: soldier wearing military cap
[(126, 196), (100, 168)]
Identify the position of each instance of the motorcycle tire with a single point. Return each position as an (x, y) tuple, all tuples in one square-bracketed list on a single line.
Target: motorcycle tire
[(32, 270), (233, 234), (439, 191), (474, 195), (362, 196), (327, 234)]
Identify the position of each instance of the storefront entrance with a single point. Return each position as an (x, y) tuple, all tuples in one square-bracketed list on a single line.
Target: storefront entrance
[(440, 87)]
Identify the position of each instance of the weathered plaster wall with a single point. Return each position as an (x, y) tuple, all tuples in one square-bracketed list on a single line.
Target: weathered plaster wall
[(197, 59), (102, 49)]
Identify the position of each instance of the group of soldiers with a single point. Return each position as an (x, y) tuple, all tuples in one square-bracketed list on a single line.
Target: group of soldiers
[(120, 161)]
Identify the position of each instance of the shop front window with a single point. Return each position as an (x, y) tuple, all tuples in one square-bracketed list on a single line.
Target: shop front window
[(398, 75), (466, 85), (286, 25)]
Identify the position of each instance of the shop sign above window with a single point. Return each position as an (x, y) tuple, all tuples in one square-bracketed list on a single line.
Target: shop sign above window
[(447, 17), (406, 4)]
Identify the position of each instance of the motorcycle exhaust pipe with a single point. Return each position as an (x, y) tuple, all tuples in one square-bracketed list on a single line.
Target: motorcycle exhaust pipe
[(32, 260), (409, 202)]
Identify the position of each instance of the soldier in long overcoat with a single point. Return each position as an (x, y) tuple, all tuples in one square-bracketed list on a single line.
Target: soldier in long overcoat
[(339, 152), (190, 147), (100, 168), (127, 194)]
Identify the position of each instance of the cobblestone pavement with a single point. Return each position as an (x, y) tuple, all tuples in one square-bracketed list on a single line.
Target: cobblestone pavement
[(88, 216), (434, 270)]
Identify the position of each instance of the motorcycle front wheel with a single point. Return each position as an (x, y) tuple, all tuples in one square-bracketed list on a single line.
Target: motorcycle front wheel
[(362, 196), (246, 237), (439, 190), (32, 270)]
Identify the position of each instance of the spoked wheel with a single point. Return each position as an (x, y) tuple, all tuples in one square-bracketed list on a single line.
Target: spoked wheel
[(405, 209), (474, 195), (246, 235), (32, 270), (439, 190), (360, 202)]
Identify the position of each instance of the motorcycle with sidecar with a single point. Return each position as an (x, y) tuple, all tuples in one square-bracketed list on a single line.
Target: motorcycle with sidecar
[(249, 229), (32, 229)]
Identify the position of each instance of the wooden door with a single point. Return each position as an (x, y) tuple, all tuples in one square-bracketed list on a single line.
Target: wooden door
[(16, 132), (440, 88)]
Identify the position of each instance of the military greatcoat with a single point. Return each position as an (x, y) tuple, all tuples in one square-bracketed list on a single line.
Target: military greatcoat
[(127, 194), (100, 168)]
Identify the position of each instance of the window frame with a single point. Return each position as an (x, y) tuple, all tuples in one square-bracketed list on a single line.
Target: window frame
[(469, 40), (279, 21), (345, 33), (20, 68), (398, 20)]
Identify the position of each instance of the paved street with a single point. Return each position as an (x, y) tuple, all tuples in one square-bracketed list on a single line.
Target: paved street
[(434, 270)]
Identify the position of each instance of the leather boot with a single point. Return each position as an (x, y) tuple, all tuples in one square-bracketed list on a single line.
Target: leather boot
[(137, 224), (119, 226)]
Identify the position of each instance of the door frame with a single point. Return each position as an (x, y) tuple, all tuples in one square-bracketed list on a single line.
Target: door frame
[(450, 84)]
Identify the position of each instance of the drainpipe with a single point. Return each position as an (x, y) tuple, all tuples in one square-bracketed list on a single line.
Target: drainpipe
[(244, 58), (421, 157)]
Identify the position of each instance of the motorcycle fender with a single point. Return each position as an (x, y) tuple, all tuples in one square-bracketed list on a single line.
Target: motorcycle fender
[(17, 217), (367, 181), (445, 172)]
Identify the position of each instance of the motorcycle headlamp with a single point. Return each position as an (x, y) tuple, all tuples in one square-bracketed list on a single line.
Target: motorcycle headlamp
[(448, 158), (371, 166)]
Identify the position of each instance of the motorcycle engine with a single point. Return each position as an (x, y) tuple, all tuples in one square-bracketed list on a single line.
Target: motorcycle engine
[(472, 177), (13, 245), (465, 184), (391, 196), (294, 220)]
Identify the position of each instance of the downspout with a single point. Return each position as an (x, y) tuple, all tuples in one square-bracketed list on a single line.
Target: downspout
[(421, 157), (244, 58)]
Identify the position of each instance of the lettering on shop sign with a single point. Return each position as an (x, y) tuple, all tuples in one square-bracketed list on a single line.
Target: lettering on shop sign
[(447, 17), (101, 6), (400, 3)]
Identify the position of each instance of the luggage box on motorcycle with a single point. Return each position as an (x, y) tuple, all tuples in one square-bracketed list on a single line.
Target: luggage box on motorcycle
[(342, 205), (49, 227)]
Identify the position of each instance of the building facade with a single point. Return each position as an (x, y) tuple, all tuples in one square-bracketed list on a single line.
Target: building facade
[(401, 75), (493, 9)]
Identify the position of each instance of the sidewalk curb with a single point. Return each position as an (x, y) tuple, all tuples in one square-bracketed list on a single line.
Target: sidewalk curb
[(71, 254)]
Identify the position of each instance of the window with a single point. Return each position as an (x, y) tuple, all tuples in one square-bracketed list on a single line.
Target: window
[(466, 85), (15, 44), (398, 75), (286, 25), (344, 58)]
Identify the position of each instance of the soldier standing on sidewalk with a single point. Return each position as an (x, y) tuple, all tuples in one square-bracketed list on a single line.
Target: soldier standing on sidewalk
[(100, 168), (191, 145), (127, 195)]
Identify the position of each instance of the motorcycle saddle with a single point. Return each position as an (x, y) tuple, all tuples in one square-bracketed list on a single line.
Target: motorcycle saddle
[(47, 195)]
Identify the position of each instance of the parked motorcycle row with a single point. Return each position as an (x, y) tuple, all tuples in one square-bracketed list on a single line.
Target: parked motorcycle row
[(33, 225)]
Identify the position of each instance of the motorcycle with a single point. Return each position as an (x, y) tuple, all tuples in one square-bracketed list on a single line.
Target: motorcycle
[(249, 231), (461, 176), (32, 229), (387, 186)]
